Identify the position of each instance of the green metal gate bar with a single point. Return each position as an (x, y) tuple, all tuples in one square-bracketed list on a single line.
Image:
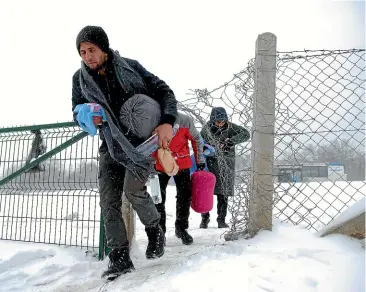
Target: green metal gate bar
[(43, 158), (58, 204)]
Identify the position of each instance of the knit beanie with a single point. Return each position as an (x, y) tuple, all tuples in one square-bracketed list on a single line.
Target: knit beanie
[(95, 35)]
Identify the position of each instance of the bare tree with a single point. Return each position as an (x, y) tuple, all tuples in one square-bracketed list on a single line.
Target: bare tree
[(340, 151)]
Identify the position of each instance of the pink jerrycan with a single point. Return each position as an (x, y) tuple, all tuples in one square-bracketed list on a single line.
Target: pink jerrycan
[(203, 185)]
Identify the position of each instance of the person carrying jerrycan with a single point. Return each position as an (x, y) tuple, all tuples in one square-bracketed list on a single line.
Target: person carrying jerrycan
[(179, 147)]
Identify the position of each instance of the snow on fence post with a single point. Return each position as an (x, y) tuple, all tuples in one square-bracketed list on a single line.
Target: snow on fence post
[(261, 198)]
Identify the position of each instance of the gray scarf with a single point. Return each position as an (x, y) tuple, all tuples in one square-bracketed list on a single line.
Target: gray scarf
[(120, 149)]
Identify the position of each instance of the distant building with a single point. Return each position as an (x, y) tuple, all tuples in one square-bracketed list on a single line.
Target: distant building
[(309, 172)]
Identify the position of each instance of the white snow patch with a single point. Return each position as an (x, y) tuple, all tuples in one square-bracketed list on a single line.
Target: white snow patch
[(290, 258)]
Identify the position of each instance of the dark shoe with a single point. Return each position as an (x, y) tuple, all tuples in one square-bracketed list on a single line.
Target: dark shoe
[(155, 247), (222, 224), (187, 239), (204, 223), (119, 263)]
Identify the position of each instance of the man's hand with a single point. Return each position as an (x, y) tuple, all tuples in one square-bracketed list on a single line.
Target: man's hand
[(226, 145), (90, 115), (165, 134)]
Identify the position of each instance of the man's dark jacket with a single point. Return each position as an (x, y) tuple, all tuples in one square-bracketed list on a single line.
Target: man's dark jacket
[(116, 94)]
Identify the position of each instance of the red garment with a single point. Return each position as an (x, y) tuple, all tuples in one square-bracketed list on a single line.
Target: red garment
[(179, 145)]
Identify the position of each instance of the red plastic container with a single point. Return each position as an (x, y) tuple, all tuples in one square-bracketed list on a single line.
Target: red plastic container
[(203, 185)]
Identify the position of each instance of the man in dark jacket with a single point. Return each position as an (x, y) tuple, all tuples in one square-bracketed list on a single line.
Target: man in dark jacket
[(223, 136), (109, 80)]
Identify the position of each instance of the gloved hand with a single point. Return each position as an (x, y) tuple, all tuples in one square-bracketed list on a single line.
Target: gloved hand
[(201, 166), (226, 145), (85, 115), (209, 150), (229, 143)]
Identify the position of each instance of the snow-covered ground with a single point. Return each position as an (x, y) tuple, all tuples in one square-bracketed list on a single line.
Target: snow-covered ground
[(287, 259)]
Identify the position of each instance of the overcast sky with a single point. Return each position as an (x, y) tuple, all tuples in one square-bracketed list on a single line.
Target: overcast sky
[(189, 44)]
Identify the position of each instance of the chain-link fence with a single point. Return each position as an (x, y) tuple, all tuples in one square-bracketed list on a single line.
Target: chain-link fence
[(236, 97), (55, 201), (319, 135)]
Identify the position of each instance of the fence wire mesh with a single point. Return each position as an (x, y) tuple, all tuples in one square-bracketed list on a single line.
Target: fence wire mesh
[(56, 201), (320, 135), (319, 155), (236, 97)]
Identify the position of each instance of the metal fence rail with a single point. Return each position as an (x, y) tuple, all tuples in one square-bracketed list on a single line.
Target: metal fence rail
[(55, 201)]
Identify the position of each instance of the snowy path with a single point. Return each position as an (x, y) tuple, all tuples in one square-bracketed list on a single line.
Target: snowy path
[(287, 259)]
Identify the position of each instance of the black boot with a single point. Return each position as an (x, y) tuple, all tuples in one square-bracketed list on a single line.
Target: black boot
[(155, 247), (222, 203), (205, 220), (184, 235), (119, 263), (204, 223), (221, 224)]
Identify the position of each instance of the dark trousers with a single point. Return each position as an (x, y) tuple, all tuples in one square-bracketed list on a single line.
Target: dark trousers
[(222, 203), (114, 179), (184, 196)]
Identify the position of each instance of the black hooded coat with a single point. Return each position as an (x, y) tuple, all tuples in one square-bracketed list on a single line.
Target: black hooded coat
[(222, 165)]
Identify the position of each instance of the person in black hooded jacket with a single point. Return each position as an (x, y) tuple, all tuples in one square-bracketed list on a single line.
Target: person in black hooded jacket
[(112, 81), (223, 136)]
